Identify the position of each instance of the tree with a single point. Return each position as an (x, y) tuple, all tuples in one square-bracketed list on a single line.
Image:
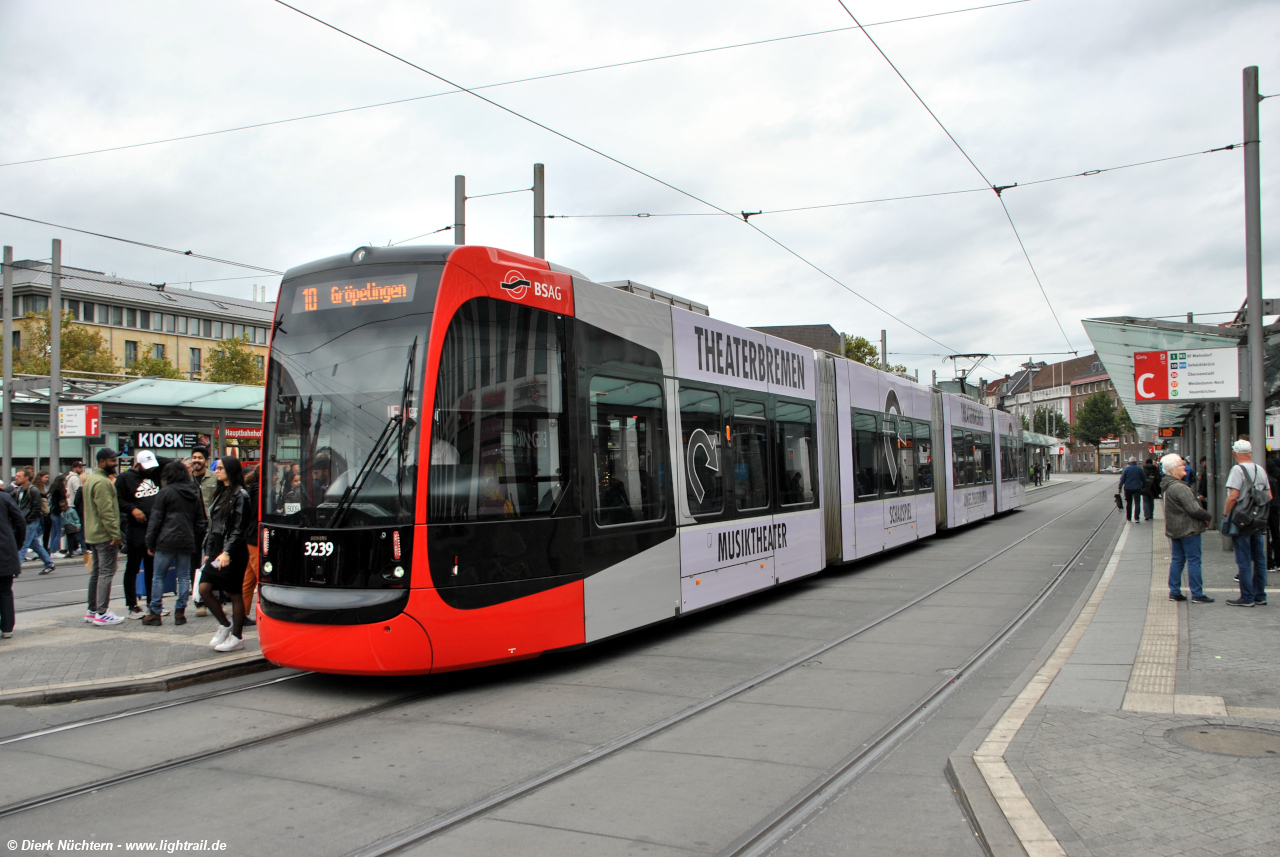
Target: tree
[(83, 349), (230, 362), (863, 350), (1046, 418), (150, 366), (1097, 418), (1026, 426)]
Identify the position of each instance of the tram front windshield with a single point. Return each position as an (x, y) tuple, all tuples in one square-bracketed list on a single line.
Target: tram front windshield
[(344, 389)]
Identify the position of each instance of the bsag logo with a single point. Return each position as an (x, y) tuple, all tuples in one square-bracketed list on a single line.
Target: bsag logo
[(515, 284)]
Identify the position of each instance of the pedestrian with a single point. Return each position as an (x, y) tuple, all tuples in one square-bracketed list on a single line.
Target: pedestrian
[(1250, 547), (75, 478), (226, 555), (137, 488), (72, 528), (251, 538), (102, 535), (1189, 477), (29, 501), (58, 506), (177, 516), (1273, 519), (13, 534), (1202, 482), (46, 509), (1132, 479), (208, 484), (1038, 473), (1184, 521), (1150, 488)]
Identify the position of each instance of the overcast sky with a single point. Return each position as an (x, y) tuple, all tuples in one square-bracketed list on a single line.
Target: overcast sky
[(1031, 91)]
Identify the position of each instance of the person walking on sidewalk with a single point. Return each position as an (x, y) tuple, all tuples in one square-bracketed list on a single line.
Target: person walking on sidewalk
[(57, 506), (1184, 521), (1132, 479), (251, 541), (137, 488), (1202, 482), (1250, 547), (226, 556), (177, 516), (1150, 488), (102, 535), (13, 533), (29, 501), (208, 484)]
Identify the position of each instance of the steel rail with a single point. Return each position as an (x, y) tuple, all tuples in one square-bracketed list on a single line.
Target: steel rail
[(431, 828)]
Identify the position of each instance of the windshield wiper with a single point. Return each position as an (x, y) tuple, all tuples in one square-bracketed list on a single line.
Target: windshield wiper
[(393, 429)]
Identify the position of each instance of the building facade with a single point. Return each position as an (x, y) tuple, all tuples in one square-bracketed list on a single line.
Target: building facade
[(139, 319)]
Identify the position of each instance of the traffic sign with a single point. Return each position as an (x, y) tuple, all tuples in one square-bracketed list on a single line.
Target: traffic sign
[(1206, 374)]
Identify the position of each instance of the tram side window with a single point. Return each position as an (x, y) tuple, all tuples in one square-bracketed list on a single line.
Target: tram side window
[(907, 456), (497, 445), (797, 456), (701, 438), (887, 457), (983, 464), (959, 455), (866, 478), (924, 456), (750, 456), (629, 448)]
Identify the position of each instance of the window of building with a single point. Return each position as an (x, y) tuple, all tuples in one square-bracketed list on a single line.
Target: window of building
[(144, 319), (797, 456), (750, 441), (117, 316), (17, 340), (258, 359), (195, 360), (130, 317), (206, 328), (165, 322), (157, 351), (181, 324), (262, 336), (237, 331), (217, 330), (701, 437), (130, 352), (866, 477), (86, 311), (72, 307)]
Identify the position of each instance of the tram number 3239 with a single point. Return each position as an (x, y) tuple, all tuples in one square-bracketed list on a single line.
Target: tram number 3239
[(317, 548)]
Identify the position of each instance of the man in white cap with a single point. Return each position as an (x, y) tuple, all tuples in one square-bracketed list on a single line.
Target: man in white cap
[(137, 488), (1250, 546)]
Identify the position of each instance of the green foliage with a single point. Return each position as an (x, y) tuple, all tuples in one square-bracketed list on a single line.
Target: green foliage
[(150, 366), (863, 350), (231, 362), (1026, 426), (1096, 418), (83, 349), (1049, 421)]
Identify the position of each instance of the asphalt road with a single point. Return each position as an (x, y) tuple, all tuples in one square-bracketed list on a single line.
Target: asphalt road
[(362, 758)]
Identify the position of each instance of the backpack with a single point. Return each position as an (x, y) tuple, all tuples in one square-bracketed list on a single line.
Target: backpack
[(1252, 506)]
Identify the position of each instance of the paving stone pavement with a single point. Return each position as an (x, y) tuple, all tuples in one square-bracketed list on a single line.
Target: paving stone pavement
[(1109, 781), (62, 649)]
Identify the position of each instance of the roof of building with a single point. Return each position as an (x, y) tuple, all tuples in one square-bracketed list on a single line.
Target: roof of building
[(820, 337), (183, 394), (81, 282), (1091, 378)]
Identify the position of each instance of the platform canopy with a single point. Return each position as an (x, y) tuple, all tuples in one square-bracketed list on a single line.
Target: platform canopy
[(183, 395)]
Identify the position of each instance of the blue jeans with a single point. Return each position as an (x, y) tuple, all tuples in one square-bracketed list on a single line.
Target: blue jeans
[(1148, 506), (1186, 550), (35, 531), (183, 563), (55, 533), (1251, 560)]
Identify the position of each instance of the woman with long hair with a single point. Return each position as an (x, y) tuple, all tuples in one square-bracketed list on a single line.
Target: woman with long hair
[(226, 554), (57, 505)]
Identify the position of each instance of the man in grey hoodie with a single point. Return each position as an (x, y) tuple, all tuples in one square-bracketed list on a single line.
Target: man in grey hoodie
[(1184, 521)]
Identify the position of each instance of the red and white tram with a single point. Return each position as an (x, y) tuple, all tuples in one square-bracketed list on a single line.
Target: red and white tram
[(472, 456)]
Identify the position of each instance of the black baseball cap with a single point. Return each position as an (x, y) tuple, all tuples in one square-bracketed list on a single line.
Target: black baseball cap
[(107, 452)]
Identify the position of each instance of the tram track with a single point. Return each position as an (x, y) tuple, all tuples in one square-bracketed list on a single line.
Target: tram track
[(765, 835), (429, 829)]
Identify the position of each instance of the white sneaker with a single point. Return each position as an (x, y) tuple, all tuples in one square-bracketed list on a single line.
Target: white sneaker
[(219, 638), (107, 618), (89, 616), (230, 644)]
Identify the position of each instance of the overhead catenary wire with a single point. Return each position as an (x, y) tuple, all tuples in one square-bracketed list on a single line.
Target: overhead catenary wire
[(574, 141), (993, 186), (189, 253), (534, 78)]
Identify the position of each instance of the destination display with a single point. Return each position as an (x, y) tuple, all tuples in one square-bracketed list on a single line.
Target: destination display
[(349, 295), (1204, 374)]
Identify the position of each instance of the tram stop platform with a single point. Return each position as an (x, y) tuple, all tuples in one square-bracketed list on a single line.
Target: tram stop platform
[(1147, 726), (54, 656)]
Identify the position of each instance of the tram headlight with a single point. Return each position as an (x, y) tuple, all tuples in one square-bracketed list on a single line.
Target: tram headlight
[(266, 569), (399, 571)]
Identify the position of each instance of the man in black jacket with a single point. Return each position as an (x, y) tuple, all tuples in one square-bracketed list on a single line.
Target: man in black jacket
[(13, 532), (137, 488), (1151, 488), (28, 496)]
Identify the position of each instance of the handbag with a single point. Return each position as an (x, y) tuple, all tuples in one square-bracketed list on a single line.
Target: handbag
[(1119, 502)]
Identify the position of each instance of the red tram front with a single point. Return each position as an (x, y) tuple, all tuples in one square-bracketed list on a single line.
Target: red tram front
[(419, 510)]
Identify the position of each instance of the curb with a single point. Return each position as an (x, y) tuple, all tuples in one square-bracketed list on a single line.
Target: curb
[(991, 827), (150, 683)]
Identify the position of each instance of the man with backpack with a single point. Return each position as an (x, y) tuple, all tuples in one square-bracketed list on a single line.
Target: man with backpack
[(1132, 481), (1246, 513)]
